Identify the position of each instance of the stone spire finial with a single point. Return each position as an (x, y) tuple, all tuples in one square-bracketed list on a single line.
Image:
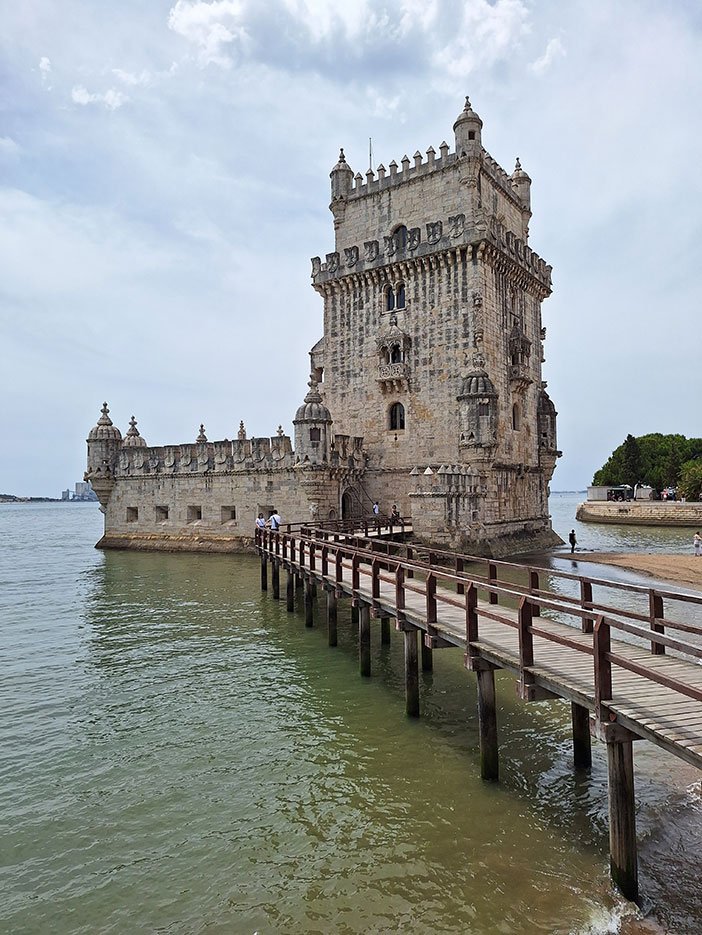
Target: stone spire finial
[(201, 437), (241, 434), (105, 415), (133, 439), (280, 431)]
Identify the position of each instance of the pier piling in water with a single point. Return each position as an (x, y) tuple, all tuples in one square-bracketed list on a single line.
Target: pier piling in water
[(622, 816), (364, 640), (275, 579), (487, 723), (331, 617), (411, 671), (385, 631), (582, 744), (290, 592), (264, 572), (309, 604)]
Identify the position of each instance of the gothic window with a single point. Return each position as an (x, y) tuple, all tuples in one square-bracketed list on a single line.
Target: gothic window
[(395, 354), (397, 417), (389, 299), (516, 417), (400, 294)]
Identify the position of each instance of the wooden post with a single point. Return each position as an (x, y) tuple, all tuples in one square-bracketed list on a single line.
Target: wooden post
[(534, 589), (492, 576), (364, 640), (582, 745), (411, 672), (385, 631), (309, 608), (655, 603), (586, 602), (427, 655), (603, 668), (460, 587), (526, 650), (354, 616), (331, 616), (264, 572), (275, 578), (622, 817), (290, 592), (487, 724)]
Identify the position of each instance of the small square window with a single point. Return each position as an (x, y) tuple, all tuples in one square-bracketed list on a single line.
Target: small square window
[(132, 514), (228, 514), (161, 514), (471, 134), (194, 514)]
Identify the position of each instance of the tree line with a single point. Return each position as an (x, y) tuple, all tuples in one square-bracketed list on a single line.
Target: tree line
[(657, 460)]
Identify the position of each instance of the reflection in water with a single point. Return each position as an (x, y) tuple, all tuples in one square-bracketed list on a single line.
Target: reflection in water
[(178, 753)]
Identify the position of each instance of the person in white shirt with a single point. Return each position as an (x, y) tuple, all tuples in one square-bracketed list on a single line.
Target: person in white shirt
[(274, 521), (697, 542), (260, 522)]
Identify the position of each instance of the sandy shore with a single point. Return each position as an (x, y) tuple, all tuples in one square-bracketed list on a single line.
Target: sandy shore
[(678, 569)]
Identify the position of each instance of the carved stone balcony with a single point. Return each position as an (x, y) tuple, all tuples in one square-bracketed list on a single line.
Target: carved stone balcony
[(393, 377), (519, 377)]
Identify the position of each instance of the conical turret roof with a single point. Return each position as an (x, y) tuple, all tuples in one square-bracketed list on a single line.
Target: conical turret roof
[(313, 409), (133, 439), (104, 430)]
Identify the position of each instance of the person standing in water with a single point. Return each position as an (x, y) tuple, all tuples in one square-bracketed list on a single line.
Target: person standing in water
[(573, 541)]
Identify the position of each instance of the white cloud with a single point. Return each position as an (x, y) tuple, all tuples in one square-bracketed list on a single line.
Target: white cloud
[(45, 65), (487, 33), (211, 27), (8, 147), (144, 78), (111, 98), (554, 50)]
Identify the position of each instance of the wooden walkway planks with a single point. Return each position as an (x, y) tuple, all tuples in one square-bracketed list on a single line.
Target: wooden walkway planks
[(647, 709)]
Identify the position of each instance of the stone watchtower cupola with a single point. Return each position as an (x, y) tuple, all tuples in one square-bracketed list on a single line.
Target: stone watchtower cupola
[(312, 428), (467, 129), (133, 439), (104, 442), (341, 184)]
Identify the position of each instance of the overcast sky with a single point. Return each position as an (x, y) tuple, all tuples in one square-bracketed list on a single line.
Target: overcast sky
[(164, 181)]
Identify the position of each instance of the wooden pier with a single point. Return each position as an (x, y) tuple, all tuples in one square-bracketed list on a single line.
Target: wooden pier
[(628, 675)]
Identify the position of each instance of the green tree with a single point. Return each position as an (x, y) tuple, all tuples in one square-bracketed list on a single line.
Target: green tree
[(632, 463), (691, 480), (653, 459)]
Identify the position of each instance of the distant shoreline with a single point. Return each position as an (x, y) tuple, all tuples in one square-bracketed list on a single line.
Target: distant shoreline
[(10, 499)]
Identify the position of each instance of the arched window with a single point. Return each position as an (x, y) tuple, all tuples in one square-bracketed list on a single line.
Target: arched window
[(397, 417), (400, 296), (516, 417), (395, 354), (390, 299)]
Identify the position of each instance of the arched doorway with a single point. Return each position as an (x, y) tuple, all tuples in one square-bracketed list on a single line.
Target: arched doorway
[(350, 504)]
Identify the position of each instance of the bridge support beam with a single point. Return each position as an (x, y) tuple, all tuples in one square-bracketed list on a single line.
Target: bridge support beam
[(385, 631), (487, 724), (331, 617), (427, 655), (582, 744), (290, 593), (275, 579), (309, 607), (264, 573), (364, 640), (411, 672), (622, 816)]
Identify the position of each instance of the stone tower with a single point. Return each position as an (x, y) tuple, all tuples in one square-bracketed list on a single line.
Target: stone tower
[(433, 342)]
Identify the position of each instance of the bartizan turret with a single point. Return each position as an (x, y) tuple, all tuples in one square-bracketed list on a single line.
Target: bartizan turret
[(312, 428), (521, 183), (467, 130), (341, 184), (104, 443)]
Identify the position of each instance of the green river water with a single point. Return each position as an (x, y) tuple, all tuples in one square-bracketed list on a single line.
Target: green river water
[(180, 755)]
